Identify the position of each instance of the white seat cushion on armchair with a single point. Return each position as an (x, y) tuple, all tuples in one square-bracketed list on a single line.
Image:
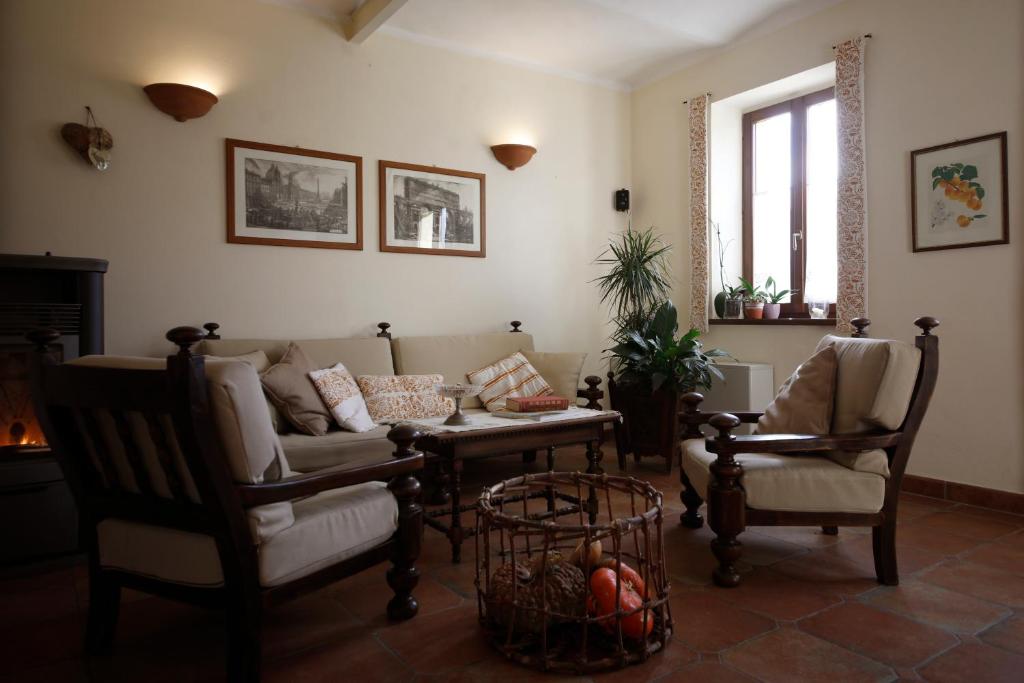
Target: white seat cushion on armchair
[(329, 527), (798, 483)]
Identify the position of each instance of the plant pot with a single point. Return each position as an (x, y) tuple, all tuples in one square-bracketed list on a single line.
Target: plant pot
[(733, 309), (650, 422), (753, 311), (772, 311)]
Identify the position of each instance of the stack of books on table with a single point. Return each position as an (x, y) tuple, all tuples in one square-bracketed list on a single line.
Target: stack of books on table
[(536, 408)]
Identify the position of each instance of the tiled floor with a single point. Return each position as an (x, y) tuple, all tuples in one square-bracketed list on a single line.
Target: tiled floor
[(809, 610)]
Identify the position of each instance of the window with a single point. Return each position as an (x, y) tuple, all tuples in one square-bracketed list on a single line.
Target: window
[(790, 168)]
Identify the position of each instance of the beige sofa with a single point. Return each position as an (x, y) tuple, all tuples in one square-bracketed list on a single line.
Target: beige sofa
[(450, 355)]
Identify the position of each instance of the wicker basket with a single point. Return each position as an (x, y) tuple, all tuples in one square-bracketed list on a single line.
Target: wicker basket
[(534, 583)]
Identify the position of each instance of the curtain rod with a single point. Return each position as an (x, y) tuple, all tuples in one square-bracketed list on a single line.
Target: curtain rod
[(866, 35), (688, 101)]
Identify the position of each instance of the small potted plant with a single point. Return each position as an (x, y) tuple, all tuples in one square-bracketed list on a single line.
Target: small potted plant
[(773, 307), (754, 299), (732, 302)]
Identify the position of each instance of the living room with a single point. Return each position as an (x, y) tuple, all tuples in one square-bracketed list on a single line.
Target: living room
[(425, 189)]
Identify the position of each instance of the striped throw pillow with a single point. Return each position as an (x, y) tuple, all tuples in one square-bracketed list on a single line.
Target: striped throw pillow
[(512, 376)]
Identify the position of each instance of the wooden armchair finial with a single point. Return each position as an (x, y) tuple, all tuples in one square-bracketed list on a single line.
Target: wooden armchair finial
[(384, 334), (211, 330), (516, 324), (404, 436), (927, 324), (861, 324), (43, 338), (184, 337)]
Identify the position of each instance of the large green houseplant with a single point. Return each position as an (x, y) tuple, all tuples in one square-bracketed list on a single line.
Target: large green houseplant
[(650, 366)]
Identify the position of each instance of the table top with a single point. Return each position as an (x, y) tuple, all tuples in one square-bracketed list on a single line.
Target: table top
[(528, 427)]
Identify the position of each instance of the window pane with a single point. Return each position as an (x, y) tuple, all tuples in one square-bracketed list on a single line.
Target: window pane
[(822, 181), (771, 209)]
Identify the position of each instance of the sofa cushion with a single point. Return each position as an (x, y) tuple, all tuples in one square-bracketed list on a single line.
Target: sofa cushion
[(805, 401), (258, 359), (560, 370), (454, 356), (403, 397), (340, 393), (874, 382), (159, 552), (329, 527), (507, 378), (804, 483), (361, 355), (338, 447), (289, 386)]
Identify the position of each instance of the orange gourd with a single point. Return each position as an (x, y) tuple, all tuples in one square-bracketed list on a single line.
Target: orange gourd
[(603, 583)]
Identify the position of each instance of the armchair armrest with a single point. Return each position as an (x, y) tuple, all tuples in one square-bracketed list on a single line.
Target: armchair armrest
[(404, 460), (591, 393), (727, 444)]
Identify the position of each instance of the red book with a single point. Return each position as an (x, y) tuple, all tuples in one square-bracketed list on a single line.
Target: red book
[(535, 404)]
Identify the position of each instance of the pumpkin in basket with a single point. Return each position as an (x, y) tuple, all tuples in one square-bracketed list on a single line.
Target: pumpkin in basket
[(563, 585)]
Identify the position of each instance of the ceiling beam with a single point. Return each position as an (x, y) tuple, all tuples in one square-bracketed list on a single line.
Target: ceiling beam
[(368, 17)]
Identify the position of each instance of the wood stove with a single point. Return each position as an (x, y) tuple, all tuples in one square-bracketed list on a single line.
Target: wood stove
[(37, 513)]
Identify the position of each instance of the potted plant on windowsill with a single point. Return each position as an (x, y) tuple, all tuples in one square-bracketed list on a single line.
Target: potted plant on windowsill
[(773, 307), (653, 369), (754, 299)]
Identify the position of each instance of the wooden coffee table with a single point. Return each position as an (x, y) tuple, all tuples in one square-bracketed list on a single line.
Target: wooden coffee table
[(449, 450)]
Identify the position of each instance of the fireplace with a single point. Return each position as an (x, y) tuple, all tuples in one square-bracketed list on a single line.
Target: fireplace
[(37, 514)]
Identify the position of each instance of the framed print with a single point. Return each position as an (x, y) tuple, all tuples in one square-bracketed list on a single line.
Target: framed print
[(958, 194), (293, 197), (430, 210)]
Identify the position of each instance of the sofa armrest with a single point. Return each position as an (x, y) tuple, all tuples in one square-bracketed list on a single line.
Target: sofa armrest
[(592, 393), (405, 460)]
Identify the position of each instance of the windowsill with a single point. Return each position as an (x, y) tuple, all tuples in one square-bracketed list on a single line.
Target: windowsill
[(822, 322)]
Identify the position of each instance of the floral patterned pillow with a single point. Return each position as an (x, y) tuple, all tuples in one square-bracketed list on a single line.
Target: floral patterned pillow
[(340, 393), (392, 398)]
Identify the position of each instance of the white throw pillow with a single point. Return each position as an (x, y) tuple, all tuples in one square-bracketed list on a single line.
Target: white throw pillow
[(393, 398), (512, 376), (341, 395)]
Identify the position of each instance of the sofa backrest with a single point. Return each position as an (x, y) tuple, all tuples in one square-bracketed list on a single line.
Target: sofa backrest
[(361, 355), (455, 355)]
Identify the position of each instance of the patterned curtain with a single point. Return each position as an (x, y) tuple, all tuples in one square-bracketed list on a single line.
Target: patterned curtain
[(851, 300), (699, 212)]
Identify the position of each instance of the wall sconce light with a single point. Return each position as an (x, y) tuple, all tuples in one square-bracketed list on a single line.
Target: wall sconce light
[(513, 156), (183, 102)]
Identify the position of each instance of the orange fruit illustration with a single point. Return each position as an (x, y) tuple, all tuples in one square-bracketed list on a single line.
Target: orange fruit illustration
[(963, 221), (974, 203)]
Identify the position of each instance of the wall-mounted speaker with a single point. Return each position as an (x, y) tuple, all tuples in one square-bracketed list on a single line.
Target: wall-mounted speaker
[(622, 200)]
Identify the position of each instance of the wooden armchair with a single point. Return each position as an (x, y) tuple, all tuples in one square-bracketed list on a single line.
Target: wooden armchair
[(827, 480), (183, 493)]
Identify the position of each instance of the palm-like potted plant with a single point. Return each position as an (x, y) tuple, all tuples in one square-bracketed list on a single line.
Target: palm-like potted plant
[(773, 307), (637, 281), (754, 299)]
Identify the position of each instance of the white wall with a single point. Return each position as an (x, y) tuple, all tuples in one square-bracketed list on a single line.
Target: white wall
[(287, 78), (934, 73)]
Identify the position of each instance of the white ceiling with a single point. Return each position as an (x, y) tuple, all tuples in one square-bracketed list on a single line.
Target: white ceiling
[(619, 43)]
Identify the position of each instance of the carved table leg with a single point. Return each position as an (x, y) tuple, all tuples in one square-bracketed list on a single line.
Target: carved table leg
[(594, 456), (442, 482), (551, 488), (455, 533)]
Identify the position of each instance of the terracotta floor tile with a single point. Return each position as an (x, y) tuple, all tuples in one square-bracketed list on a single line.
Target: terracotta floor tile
[(708, 672), (777, 596), (985, 513), (882, 636), (928, 539), (446, 640), (789, 655), (71, 671), (366, 596), (975, 662), (937, 606), (909, 559), (962, 524), (762, 549), (338, 661), (1008, 635), (826, 571), (43, 642), (926, 501), (312, 620), (675, 656), (707, 623), (1015, 540), (1002, 556), (979, 580), (810, 537)]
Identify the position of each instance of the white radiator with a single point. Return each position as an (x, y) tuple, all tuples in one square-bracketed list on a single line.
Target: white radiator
[(747, 386)]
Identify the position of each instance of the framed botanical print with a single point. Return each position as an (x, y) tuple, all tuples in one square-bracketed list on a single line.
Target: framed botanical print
[(959, 194), (430, 210), (293, 197)]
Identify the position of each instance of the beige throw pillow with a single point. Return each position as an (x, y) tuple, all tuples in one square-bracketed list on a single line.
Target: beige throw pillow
[(512, 376), (560, 370), (289, 387), (258, 359), (804, 403), (392, 398), (340, 393)]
